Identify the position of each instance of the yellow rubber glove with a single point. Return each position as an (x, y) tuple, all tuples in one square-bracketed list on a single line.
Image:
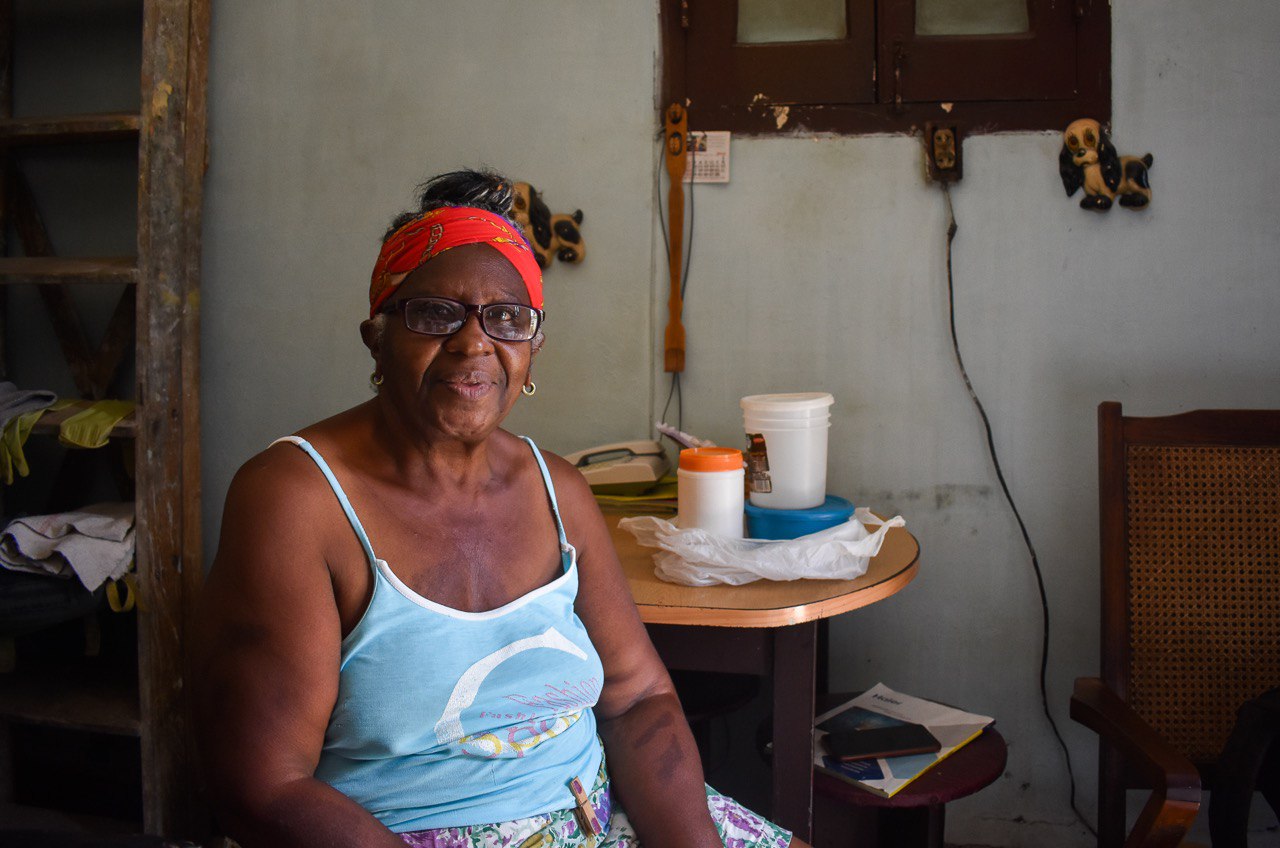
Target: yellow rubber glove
[(6, 462), (118, 604), (11, 441), (92, 427)]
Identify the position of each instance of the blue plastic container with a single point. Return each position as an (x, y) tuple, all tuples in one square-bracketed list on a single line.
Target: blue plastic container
[(791, 523)]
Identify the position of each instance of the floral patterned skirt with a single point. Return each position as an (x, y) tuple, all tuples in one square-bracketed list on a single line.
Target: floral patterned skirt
[(738, 827)]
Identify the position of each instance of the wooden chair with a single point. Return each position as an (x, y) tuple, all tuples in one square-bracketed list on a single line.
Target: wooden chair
[(1190, 521)]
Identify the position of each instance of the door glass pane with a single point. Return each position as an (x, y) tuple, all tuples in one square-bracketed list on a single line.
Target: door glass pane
[(970, 17), (764, 21)]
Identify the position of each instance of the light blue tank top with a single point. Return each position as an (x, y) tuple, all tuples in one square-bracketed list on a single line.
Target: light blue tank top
[(448, 718)]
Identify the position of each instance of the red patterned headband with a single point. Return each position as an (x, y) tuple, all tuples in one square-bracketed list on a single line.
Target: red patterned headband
[(434, 232)]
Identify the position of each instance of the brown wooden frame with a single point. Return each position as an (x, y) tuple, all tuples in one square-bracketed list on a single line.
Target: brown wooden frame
[(1131, 753), (916, 78), (171, 163), (1039, 64), (785, 71)]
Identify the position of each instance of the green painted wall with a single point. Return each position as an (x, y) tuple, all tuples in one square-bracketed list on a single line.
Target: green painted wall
[(822, 266)]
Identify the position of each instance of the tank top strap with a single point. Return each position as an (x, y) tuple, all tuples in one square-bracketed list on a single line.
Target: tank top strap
[(551, 495), (338, 492)]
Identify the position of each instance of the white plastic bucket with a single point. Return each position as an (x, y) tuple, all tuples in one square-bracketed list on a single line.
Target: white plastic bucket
[(794, 430), (785, 423), (795, 406)]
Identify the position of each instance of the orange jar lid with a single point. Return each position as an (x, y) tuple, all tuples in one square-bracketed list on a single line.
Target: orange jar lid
[(711, 459)]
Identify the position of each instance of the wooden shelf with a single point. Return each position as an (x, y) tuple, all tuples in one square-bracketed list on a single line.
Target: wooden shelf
[(127, 428), (156, 318), (72, 697), (68, 129), (48, 270)]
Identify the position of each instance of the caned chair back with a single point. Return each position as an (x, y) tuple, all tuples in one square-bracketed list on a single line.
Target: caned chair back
[(1191, 568)]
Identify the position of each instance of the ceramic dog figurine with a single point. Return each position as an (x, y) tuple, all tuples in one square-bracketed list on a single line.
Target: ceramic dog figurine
[(1089, 160), (550, 236)]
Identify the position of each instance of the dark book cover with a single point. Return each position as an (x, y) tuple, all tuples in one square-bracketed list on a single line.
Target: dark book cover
[(875, 742)]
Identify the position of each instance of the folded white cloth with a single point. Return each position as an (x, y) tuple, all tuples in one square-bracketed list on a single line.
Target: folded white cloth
[(96, 543)]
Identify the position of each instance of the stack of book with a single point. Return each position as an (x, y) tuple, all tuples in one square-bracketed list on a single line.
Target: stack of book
[(882, 740), (654, 499)]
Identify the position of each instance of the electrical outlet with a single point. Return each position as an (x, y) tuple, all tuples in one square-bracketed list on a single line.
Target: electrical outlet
[(942, 153)]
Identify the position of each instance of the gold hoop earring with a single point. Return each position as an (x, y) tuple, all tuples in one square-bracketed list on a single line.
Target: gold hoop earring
[(375, 380), (528, 390)]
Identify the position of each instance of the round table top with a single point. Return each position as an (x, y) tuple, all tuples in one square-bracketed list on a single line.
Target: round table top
[(764, 603), (966, 771)]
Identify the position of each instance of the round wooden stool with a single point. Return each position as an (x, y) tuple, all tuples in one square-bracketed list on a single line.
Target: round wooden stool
[(845, 815)]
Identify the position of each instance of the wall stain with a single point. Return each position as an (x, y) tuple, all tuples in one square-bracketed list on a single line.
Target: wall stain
[(941, 497)]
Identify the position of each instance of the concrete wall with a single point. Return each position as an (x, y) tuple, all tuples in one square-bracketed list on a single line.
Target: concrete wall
[(821, 267)]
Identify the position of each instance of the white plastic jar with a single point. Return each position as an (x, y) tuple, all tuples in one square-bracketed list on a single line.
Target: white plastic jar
[(788, 435), (709, 486)]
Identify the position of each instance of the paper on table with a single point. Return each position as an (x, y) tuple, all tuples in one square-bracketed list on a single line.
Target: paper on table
[(880, 706)]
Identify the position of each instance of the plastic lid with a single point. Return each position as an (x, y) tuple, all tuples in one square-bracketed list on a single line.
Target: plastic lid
[(833, 508), (795, 401), (711, 459)]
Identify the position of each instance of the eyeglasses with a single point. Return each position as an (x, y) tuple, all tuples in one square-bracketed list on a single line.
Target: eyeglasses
[(440, 316)]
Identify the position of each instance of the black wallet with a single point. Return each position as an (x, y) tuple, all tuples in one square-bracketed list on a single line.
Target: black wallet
[(875, 742)]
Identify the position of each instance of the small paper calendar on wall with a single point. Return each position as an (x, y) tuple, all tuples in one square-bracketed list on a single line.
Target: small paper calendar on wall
[(708, 159)]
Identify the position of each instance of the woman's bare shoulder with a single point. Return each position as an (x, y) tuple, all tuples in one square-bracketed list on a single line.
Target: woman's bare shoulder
[(283, 469), (282, 492), (569, 483)]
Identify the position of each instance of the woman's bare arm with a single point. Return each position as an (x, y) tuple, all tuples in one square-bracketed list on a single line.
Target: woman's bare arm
[(264, 664), (653, 760)]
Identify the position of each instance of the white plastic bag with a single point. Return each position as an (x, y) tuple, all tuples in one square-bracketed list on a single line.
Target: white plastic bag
[(695, 557)]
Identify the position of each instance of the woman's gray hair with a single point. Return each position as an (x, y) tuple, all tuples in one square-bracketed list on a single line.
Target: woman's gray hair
[(487, 190), (379, 322)]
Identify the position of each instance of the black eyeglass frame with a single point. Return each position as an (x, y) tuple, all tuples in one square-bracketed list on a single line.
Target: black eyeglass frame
[(402, 307)]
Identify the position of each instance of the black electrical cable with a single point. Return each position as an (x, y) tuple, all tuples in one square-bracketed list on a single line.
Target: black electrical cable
[(662, 222), (688, 249), (679, 401), (675, 386), (952, 228)]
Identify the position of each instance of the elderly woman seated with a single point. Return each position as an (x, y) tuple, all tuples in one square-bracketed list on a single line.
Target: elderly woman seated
[(416, 630)]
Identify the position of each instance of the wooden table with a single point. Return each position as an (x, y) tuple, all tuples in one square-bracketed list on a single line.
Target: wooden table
[(916, 816), (767, 628)]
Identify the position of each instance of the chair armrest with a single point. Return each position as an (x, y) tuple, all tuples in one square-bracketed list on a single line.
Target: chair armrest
[(1175, 799), (1101, 710)]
